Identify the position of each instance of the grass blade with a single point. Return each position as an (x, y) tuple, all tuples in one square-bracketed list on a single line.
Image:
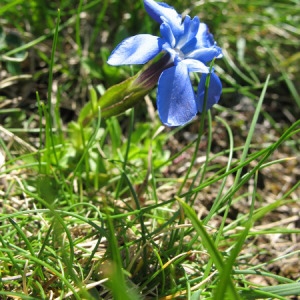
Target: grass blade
[(209, 245)]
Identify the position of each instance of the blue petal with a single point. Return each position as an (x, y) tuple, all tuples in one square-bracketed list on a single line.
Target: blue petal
[(175, 96), (204, 37), (167, 34), (191, 26), (137, 49), (190, 29), (195, 65), (156, 10), (163, 13), (205, 54), (213, 93)]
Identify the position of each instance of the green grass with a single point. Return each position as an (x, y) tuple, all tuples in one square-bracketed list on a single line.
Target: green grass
[(123, 208)]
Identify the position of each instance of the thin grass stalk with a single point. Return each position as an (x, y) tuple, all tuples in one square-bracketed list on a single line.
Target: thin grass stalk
[(266, 152), (269, 151), (16, 295), (77, 28), (209, 245), (251, 130), (216, 203), (227, 271), (141, 219), (40, 111), (87, 146), (117, 283), (13, 261), (131, 125), (50, 145)]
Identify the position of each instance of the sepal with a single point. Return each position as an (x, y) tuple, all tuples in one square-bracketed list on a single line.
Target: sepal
[(120, 97)]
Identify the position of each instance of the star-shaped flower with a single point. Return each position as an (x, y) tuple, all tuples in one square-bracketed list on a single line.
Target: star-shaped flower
[(190, 47)]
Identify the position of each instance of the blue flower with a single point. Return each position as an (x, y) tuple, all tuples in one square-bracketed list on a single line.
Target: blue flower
[(190, 47)]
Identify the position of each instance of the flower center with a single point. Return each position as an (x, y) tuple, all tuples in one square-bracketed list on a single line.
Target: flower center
[(179, 53)]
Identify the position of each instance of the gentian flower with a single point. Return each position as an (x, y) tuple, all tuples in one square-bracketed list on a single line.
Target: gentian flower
[(190, 48)]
